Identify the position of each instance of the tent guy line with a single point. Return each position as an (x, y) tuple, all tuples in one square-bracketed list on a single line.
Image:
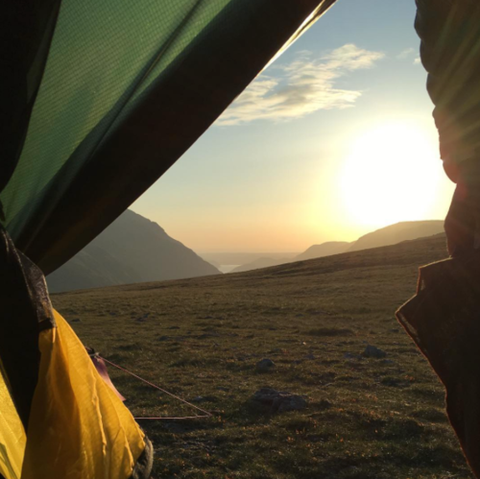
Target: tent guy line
[(206, 414)]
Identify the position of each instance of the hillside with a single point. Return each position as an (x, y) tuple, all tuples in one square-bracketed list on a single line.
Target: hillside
[(132, 249), (397, 233), (201, 338), (324, 249), (388, 235), (315, 251), (260, 263), (243, 258)]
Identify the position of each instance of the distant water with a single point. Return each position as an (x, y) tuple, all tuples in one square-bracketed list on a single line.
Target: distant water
[(227, 268)]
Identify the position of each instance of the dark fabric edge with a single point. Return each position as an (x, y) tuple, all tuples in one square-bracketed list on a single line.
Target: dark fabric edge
[(455, 394), (25, 309)]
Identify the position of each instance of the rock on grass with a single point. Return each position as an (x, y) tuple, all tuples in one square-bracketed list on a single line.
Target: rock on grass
[(279, 401), (265, 366), (373, 352)]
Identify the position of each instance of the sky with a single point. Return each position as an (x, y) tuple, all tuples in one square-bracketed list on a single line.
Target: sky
[(333, 140)]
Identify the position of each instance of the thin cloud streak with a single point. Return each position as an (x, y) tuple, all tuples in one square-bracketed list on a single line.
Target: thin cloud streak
[(407, 53), (304, 86)]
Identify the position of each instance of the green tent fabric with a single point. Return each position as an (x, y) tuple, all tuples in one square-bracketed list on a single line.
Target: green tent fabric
[(26, 30), (127, 89)]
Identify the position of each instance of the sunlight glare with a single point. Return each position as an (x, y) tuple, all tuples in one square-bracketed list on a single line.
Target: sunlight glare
[(392, 174)]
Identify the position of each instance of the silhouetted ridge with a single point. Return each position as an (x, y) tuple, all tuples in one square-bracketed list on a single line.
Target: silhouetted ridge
[(132, 249), (324, 249), (393, 234), (260, 263)]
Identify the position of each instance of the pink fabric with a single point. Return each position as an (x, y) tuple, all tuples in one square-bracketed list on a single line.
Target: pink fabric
[(102, 370)]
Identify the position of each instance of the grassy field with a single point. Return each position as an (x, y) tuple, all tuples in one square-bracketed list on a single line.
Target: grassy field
[(201, 339)]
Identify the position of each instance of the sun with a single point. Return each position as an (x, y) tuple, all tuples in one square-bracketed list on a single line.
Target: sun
[(391, 174)]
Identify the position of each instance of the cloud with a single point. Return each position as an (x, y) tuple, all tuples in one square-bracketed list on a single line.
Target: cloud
[(417, 61), (301, 87), (408, 52)]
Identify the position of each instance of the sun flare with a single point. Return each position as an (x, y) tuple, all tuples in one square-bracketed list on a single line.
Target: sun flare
[(391, 175)]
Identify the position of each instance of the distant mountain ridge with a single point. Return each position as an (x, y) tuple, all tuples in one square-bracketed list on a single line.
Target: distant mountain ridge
[(393, 234), (243, 257), (389, 235), (315, 251), (324, 249), (260, 263), (132, 249)]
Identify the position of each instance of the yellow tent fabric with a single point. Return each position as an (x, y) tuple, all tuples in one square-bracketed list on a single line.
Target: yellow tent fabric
[(12, 436), (78, 427)]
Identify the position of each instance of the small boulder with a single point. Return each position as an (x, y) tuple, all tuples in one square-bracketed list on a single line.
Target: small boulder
[(373, 352), (291, 402), (279, 401), (265, 366), (265, 396)]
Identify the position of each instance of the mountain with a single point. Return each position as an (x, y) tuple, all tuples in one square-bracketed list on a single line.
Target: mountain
[(397, 233), (242, 258), (324, 249), (389, 235), (315, 251), (132, 249), (260, 263)]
